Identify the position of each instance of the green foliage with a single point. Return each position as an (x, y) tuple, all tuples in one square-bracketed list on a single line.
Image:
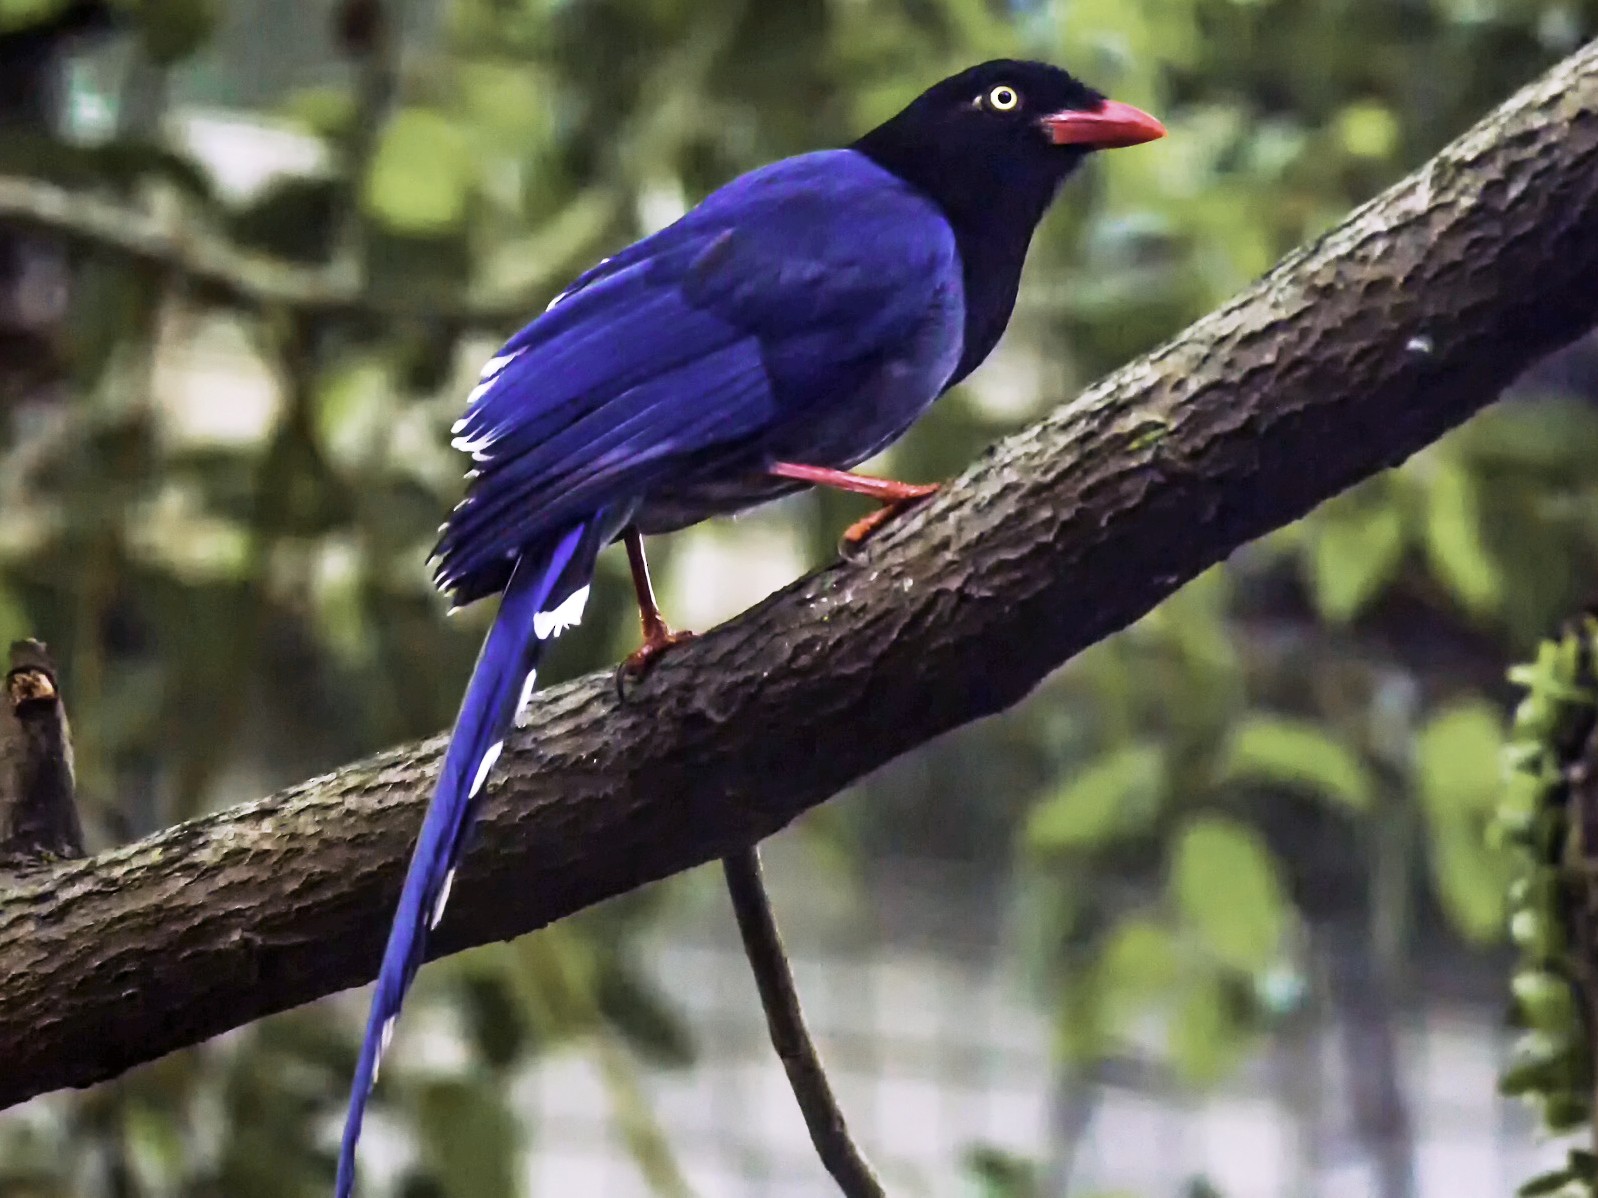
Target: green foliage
[(174, 29), (1368, 129), (1206, 1039), (469, 1138), (1355, 549), (1275, 750), (1001, 1174), (1453, 537), (423, 174), (21, 14), (1224, 882), (1117, 795), (1549, 756), (1457, 772), (1139, 963)]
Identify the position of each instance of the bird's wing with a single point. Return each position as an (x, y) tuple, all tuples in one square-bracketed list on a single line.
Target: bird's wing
[(689, 341)]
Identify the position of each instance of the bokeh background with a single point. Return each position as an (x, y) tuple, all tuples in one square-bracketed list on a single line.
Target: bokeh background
[(1210, 915)]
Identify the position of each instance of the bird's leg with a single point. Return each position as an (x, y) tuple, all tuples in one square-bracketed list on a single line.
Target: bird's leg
[(895, 497), (658, 636)]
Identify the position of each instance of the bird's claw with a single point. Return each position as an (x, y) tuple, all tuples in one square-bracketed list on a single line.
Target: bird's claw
[(856, 534), (642, 659)]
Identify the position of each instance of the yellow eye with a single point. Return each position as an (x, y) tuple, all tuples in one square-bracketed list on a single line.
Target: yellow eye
[(1003, 98)]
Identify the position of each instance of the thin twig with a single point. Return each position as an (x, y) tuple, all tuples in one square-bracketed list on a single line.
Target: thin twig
[(763, 946), (38, 807)]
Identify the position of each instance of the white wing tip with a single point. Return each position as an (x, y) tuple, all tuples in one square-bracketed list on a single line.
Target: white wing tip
[(483, 766), (527, 691), (384, 1039), (566, 615), (441, 900)]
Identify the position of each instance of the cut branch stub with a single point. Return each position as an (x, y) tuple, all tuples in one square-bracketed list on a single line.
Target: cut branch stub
[(38, 803)]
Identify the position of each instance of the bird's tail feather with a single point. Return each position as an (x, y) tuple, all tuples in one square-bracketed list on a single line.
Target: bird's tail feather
[(547, 589)]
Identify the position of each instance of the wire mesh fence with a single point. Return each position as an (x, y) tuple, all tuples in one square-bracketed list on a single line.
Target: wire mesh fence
[(937, 1048)]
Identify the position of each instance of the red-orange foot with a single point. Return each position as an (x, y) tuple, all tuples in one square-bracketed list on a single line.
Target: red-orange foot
[(642, 659), (855, 535)]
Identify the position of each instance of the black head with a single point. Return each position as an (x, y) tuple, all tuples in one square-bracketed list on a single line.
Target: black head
[(991, 146), (996, 141)]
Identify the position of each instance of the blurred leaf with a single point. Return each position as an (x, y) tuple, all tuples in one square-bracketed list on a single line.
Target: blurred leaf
[(1203, 1039), (19, 14), (422, 175), (255, 1165), (1287, 752), (1367, 129), (1137, 964), (113, 307), (155, 1146), (1547, 1001), (469, 1138), (1115, 796), (436, 265), (14, 621), (1355, 549), (1544, 1185), (554, 975), (292, 218), (1453, 536), (1458, 757), (1224, 882), (508, 103), (325, 111), (647, 1021), (174, 29), (1548, 433), (494, 1021), (355, 409), (1000, 1173), (1471, 881)]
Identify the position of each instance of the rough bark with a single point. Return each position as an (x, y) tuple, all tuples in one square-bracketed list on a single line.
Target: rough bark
[(1354, 353)]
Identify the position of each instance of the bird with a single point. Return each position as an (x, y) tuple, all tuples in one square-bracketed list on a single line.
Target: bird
[(791, 325)]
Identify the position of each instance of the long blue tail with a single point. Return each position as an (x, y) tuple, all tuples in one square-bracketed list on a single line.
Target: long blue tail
[(546, 592)]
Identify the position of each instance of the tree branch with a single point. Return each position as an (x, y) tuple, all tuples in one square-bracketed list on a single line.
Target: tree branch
[(757, 927), (38, 803), (215, 266), (1354, 353)]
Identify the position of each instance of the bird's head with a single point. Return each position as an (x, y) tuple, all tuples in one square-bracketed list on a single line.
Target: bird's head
[(1002, 136)]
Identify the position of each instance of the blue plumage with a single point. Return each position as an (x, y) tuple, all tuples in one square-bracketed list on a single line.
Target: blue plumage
[(807, 313), (810, 309)]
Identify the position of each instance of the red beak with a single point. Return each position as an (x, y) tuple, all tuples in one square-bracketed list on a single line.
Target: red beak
[(1112, 126)]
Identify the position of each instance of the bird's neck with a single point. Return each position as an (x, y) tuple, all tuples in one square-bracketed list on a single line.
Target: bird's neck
[(993, 208), (991, 257)]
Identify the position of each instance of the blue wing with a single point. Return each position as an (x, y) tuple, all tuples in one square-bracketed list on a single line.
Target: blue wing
[(763, 301)]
